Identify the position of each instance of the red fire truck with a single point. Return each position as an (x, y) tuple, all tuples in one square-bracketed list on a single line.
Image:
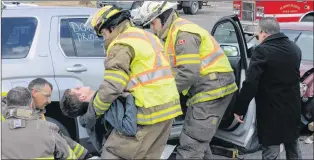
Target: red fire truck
[(284, 11)]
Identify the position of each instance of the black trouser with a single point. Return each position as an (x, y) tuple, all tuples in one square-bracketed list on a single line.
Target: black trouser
[(273, 152)]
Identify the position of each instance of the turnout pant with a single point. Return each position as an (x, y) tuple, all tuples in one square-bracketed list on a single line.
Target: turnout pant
[(201, 123), (273, 152), (148, 143)]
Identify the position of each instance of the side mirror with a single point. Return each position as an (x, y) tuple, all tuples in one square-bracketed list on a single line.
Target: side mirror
[(230, 51), (250, 51)]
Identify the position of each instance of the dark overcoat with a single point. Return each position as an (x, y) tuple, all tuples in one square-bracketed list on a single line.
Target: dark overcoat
[(273, 79)]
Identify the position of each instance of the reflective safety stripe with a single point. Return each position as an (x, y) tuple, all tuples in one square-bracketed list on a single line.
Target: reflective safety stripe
[(188, 59), (4, 94), (212, 57), (43, 117), (148, 116), (2, 118), (117, 76), (71, 154), (171, 49), (99, 106), (49, 157), (78, 150), (213, 94), (149, 77), (147, 37)]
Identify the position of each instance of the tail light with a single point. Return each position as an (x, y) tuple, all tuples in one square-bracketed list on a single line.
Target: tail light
[(259, 11), (236, 9)]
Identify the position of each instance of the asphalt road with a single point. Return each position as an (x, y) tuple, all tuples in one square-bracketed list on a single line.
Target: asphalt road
[(206, 18)]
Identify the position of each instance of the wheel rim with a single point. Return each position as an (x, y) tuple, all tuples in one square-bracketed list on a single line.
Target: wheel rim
[(194, 6)]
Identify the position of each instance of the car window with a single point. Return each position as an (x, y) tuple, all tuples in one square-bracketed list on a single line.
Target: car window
[(226, 36), (79, 41), (225, 33), (17, 36), (305, 42)]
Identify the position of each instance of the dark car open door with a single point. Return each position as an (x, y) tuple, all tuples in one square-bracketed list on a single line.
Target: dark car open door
[(229, 34)]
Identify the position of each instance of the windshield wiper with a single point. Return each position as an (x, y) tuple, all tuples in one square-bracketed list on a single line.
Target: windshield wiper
[(296, 38)]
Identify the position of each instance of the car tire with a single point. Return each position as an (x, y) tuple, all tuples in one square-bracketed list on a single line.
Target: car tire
[(62, 128), (194, 7), (308, 18)]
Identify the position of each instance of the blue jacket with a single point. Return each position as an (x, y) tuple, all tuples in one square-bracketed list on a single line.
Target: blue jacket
[(121, 116)]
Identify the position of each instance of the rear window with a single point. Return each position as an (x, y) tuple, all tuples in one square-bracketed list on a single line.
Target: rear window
[(17, 36)]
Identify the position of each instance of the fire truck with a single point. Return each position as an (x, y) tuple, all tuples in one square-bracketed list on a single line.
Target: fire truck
[(284, 11)]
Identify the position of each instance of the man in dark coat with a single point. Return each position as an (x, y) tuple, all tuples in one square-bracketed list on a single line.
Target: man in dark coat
[(273, 79)]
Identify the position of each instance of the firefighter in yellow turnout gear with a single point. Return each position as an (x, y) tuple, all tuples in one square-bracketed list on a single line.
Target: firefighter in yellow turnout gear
[(202, 72), (135, 62)]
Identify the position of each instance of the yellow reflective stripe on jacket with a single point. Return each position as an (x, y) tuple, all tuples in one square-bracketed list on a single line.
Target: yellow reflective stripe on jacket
[(150, 77), (49, 157), (161, 113), (43, 117), (99, 106), (212, 57), (4, 94), (188, 59), (117, 76), (78, 150), (71, 154), (2, 118), (213, 94)]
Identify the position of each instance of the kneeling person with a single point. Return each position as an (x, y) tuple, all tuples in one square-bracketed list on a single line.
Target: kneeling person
[(23, 128)]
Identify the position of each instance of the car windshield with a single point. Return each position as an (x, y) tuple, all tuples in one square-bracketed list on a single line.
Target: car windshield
[(304, 41)]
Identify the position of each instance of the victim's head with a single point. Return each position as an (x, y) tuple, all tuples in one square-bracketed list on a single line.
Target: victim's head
[(74, 102)]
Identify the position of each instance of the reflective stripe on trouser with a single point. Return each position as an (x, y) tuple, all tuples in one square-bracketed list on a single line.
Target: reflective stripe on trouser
[(200, 125), (156, 114), (147, 37), (213, 94), (78, 150)]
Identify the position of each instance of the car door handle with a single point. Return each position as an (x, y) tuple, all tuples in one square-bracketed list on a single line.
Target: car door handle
[(77, 68)]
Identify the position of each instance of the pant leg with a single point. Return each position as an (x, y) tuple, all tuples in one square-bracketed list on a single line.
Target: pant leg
[(139, 146), (224, 103), (293, 150), (271, 152), (201, 123), (156, 149)]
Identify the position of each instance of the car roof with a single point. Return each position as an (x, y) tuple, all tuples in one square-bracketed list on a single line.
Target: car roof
[(32, 10), (304, 26)]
